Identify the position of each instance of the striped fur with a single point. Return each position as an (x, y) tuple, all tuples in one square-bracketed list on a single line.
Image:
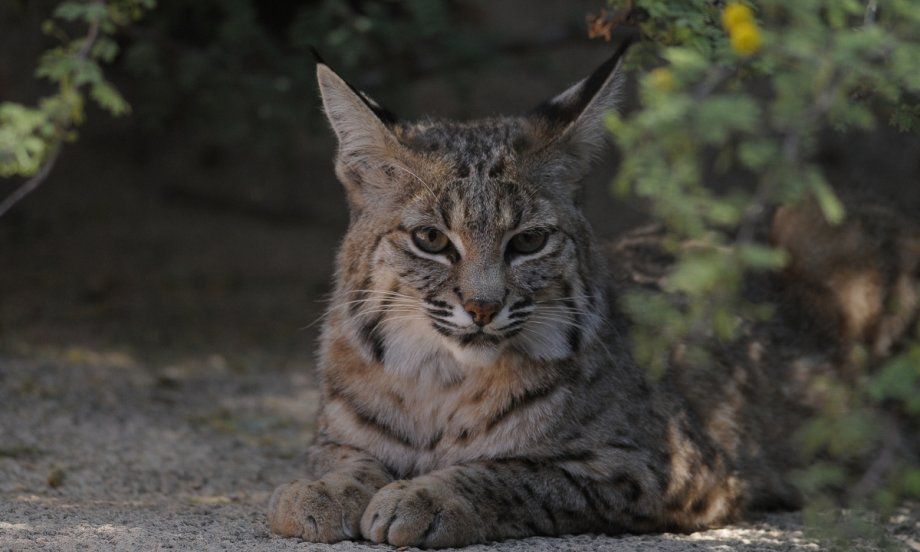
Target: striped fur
[(436, 432)]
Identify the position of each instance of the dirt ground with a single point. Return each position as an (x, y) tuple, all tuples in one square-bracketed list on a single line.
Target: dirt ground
[(101, 452)]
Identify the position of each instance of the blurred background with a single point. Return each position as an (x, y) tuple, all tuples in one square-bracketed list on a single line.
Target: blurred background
[(205, 222)]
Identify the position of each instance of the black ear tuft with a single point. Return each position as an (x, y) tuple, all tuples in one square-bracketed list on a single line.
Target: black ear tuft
[(571, 125), (316, 57), (566, 107)]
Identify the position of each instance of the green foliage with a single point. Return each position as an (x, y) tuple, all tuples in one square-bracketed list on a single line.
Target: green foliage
[(858, 423), (240, 71), (691, 23), (30, 135), (735, 104), (899, 380), (368, 33)]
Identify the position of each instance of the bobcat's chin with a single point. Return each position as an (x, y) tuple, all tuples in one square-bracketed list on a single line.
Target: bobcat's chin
[(477, 353)]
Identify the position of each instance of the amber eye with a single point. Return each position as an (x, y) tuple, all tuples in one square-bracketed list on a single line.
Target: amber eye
[(528, 242), (430, 240)]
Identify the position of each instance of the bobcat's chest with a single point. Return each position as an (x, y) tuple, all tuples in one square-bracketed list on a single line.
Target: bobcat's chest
[(440, 414), (474, 419)]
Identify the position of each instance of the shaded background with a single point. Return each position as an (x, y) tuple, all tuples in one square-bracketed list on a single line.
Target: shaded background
[(204, 225)]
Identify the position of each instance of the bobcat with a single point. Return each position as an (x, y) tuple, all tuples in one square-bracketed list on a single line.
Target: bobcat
[(476, 382)]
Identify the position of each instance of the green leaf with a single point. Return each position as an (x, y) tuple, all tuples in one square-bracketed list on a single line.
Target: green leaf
[(898, 379), (757, 153), (720, 116), (89, 12), (686, 60), (762, 257), (830, 204), (699, 272), (105, 49), (819, 477), (725, 324), (910, 482), (109, 98)]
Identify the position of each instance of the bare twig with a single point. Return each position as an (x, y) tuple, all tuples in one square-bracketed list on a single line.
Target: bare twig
[(29, 185), (91, 37)]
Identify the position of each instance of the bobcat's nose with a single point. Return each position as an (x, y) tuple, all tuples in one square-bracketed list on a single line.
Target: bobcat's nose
[(482, 311)]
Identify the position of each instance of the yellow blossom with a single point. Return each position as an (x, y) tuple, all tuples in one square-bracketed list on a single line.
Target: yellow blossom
[(661, 79), (745, 38), (736, 14)]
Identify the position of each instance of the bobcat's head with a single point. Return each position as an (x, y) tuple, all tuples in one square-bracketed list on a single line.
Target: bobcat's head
[(467, 237)]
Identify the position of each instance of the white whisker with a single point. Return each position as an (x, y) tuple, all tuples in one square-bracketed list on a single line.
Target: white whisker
[(422, 182)]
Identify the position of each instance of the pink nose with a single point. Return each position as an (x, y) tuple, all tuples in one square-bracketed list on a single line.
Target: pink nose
[(482, 312)]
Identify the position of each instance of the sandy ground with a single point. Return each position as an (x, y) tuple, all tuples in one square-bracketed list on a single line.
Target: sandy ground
[(98, 451)]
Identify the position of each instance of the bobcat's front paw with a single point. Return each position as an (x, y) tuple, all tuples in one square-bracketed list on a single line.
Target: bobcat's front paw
[(422, 512), (327, 510)]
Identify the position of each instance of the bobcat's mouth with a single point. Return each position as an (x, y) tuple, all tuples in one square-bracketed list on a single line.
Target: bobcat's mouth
[(447, 321), (479, 337)]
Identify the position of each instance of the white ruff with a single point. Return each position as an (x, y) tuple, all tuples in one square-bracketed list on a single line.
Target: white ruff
[(414, 348), (474, 356), (544, 340)]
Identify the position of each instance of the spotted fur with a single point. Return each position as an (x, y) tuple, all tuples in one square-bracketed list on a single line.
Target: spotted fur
[(435, 431)]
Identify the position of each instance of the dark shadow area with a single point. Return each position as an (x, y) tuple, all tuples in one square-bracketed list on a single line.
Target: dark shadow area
[(168, 237)]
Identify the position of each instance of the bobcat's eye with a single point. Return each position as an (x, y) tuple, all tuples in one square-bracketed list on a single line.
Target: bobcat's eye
[(528, 242), (430, 240)]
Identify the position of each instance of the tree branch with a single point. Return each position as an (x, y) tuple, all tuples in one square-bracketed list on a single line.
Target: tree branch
[(36, 180), (29, 185)]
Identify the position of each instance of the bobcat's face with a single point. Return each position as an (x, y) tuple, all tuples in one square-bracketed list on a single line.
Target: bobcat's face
[(489, 256), (466, 237)]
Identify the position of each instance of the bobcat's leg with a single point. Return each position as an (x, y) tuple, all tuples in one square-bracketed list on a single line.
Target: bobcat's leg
[(499, 499), (328, 509)]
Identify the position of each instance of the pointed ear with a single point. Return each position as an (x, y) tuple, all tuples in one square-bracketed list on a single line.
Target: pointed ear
[(572, 123), (366, 144)]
